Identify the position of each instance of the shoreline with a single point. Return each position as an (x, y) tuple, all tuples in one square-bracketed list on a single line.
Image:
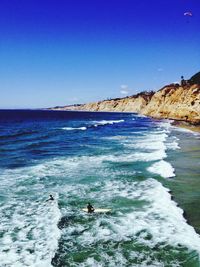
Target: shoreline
[(184, 187), (186, 125), (177, 123)]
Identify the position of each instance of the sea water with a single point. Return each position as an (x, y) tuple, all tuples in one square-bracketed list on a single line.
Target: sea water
[(119, 161)]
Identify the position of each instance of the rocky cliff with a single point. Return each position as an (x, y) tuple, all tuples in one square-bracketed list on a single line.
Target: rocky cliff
[(175, 102), (172, 101), (134, 103), (128, 104)]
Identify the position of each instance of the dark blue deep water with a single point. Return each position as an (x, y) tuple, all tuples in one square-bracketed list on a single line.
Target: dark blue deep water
[(114, 160)]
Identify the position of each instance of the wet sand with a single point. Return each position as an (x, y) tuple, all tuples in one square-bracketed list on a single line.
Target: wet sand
[(185, 186), (186, 125)]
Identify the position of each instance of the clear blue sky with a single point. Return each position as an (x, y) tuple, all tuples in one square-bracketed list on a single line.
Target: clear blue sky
[(57, 52)]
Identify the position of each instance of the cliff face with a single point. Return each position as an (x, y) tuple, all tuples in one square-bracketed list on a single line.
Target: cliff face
[(128, 104), (172, 102), (134, 103), (179, 103)]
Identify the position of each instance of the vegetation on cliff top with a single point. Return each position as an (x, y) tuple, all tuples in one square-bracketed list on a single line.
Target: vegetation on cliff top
[(195, 79)]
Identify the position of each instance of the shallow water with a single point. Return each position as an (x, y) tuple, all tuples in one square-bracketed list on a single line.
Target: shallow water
[(186, 186), (118, 161)]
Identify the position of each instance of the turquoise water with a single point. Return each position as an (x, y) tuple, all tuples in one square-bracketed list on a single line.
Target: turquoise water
[(117, 161)]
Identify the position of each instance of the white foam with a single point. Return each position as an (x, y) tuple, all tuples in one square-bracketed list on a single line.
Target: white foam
[(167, 124), (105, 122), (150, 156), (116, 137), (162, 168), (75, 128), (142, 137), (150, 147), (31, 233), (173, 145), (185, 130), (179, 129), (145, 147), (140, 115), (173, 227), (72, 166), (151, 142), (159, 217)]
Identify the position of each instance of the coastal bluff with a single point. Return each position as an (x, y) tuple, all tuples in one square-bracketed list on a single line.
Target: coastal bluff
[(175, 101)]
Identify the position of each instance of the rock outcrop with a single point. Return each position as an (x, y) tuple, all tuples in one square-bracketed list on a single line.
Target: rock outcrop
[(172, 101)]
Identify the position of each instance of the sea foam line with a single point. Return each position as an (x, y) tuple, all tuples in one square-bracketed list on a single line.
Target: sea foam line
[(96, 124), (185, 130), (74, 128), (105, 122), (162, 168)]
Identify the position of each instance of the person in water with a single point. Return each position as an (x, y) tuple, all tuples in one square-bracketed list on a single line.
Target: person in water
[(50, 198), (90, 208)]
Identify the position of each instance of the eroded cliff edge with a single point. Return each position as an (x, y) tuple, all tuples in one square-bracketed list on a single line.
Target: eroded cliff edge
[(174, 101)]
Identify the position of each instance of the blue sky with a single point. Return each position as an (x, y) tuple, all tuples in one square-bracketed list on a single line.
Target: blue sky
[(58, 52)]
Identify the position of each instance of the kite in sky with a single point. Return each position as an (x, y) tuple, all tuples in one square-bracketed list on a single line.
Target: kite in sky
[(188, 14)]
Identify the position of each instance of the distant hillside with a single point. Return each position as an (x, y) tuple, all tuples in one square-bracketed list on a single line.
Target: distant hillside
[(174, 101)]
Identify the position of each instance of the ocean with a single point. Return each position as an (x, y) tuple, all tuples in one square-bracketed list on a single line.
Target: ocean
[(146, 171)]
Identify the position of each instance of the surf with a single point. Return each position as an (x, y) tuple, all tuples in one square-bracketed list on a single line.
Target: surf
[(123, 165)]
